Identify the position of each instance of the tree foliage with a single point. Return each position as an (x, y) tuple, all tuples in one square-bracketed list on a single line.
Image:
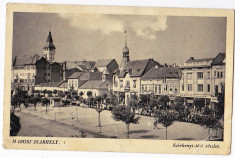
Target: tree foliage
[(14, 124), (124, 114)]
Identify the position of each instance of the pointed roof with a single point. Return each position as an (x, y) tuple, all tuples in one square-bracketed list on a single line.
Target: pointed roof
[(219, 59), (136, 67), (103, 62), (49, 38), (49, 41), (161, 72)]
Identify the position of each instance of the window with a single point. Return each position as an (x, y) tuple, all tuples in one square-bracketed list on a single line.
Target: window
[(48, 74), (127, 84), (160, 89), (217, 74), (200, 75), (142, 88), (221, 74), (190, 88), (170, 87), (134, 83), (189, 76), (182, 87), (32, 80), (208, 75), (121, 84), (200, 88), (208, 88)]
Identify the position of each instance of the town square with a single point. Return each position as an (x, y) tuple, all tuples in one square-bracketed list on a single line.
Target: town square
[(125, 94)]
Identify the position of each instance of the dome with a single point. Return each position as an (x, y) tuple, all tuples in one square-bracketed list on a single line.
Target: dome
[(125, 49)]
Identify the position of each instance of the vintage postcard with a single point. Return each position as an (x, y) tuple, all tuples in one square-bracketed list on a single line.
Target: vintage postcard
[(123, 79)]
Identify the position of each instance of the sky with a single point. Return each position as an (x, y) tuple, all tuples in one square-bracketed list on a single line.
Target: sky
[(166, 39)]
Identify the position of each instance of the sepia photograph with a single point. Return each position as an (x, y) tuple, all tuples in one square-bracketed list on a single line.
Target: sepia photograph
[(118, 76)]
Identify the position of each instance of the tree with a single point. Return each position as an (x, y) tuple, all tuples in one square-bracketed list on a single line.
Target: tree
[(14, 124), (74, 93), (166, 118), (164, 99), (61, 94), (123, 113), (179, 104), (34, 101), (18, 98), (145, 98), (81, 93), (44, 91), (45, 102), (133, 103), (153, 103), (77, 97), (89, 93), (55, 91)]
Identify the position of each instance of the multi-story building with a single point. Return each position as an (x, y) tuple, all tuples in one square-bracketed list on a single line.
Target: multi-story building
[(24, 72), (161, 81), (78, 78), (127, 82), (202, 78), (28, 71)]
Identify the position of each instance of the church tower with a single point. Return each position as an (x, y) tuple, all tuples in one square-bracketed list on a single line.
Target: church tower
[(49, 49), (125, 55)]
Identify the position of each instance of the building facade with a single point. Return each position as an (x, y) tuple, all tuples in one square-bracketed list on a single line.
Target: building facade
[(127, 82), (202, 79), (161, 81)]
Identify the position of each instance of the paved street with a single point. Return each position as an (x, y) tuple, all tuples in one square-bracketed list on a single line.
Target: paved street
[(63, 122)]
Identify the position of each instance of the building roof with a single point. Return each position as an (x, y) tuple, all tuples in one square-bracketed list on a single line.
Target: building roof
[(84, 65), (219, 59), (162, 72), (191, 59), (136, 67), (86, 76), (125, 49), (103, 62), (25, 60), (63, 84), (95, 84), (49, 84), (49, 41), (91, 76), (92, 84), (75, 75)]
